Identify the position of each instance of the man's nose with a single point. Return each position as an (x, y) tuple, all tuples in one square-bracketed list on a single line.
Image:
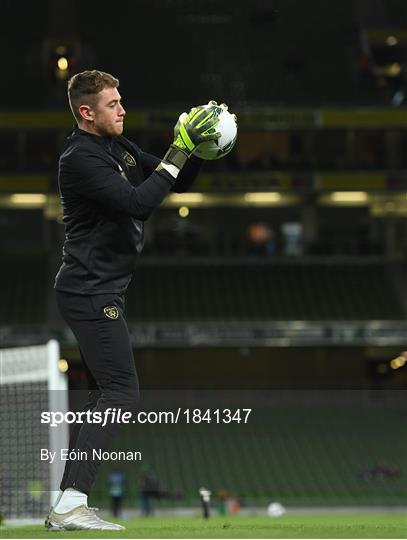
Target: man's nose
[(122, 111)]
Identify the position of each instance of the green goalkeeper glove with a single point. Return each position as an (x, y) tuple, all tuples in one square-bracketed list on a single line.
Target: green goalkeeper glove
[(192, 129)]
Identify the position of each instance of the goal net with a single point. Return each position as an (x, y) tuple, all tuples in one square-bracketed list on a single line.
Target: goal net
[(31, 381)]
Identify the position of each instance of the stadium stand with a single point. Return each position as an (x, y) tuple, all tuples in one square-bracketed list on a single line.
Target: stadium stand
[(349, 451), (262, 290), (247, 289), (24, 290), (325, 65)]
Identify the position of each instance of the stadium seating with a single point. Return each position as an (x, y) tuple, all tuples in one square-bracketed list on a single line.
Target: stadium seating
[(312, 49), (24, 290), (203, 290), (258, 290), (313, 450)]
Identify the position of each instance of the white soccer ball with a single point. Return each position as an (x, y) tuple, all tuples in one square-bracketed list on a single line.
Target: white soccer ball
[(228, 129), (275, 510)]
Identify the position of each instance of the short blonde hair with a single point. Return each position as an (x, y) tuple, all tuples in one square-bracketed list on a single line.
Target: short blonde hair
[(84, 87)]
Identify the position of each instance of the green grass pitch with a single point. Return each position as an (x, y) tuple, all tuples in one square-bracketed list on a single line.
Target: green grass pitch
[(298, 526)]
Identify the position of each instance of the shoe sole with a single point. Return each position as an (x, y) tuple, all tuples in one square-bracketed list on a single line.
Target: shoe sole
[(49, 526), (54, 528)]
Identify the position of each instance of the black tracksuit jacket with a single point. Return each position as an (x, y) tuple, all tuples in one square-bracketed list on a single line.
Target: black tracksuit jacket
[(108, 188)]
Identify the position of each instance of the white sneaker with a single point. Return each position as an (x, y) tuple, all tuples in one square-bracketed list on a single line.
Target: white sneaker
[(78, 519)]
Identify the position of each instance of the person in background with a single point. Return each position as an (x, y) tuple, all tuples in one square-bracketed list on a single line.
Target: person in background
[(148, 490), (116, 485)]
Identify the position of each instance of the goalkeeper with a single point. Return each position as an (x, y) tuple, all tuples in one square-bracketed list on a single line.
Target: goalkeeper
[(108, 188)]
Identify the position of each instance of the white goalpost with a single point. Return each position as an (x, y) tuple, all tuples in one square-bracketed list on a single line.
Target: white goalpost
[(31, 381)]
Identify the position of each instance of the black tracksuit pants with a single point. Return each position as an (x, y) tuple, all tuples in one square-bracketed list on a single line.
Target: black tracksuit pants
[(100, 327)]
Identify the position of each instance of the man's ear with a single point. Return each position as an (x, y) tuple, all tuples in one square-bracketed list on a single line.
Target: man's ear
[(86, 113)]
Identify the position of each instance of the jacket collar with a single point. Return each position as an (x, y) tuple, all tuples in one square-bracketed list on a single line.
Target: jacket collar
[(105, 141)]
